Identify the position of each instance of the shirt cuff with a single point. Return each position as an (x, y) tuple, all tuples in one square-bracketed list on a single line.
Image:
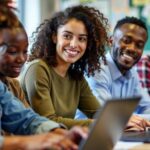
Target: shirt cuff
[(48, 126), (1, 141)]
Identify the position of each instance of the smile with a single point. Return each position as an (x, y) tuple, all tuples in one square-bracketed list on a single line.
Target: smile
[(17, 69), (72, 53), (127, 57)]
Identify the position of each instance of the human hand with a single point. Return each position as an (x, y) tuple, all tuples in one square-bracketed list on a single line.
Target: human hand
[(75, 134), (33, 142), (137, 123), (58, 139)]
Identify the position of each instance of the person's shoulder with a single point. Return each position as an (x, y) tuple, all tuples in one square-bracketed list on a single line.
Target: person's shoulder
[(104, 70), (13, 81), (105, 66), (14, 86), (34, 62), (134, 73), (37, 63)]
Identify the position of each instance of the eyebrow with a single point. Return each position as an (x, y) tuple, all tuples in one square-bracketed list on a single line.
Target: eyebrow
[(79, 34), (12, 44)]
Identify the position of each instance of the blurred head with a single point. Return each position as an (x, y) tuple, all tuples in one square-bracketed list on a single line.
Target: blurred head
[(76, 36), (129, 38), (13, 42)]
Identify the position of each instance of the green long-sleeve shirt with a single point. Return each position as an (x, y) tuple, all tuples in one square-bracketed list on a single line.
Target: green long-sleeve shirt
[(57, 97)]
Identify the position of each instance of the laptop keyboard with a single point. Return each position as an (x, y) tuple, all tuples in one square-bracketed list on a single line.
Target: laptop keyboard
[(136, 136)]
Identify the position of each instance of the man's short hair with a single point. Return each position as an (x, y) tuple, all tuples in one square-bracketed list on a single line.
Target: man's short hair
[(132, 20)]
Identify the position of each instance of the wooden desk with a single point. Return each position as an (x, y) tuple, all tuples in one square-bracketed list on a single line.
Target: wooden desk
[(141, 147), (132, 146)]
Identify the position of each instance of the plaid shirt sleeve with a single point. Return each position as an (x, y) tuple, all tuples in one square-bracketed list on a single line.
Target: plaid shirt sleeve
[(143, 68)]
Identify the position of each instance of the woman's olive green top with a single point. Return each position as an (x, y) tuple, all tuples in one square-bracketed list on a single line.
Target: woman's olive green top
[(57, 97)]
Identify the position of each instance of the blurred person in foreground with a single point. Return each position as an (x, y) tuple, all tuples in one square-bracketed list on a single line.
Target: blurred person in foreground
[(17, 119)]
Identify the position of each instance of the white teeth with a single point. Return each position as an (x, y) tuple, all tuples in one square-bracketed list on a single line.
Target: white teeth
[(129, 58), (17, 69), (125, 55), (72, 52)]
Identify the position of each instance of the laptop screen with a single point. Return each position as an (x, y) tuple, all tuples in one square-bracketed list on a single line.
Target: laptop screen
[(109, 124)]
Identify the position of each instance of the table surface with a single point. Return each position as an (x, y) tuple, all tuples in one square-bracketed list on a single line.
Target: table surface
[(132, 146)]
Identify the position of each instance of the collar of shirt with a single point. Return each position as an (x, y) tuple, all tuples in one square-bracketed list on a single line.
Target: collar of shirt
[(115, 72)]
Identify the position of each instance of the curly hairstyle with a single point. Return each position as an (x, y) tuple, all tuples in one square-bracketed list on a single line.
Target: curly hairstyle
[(8, 19), (96, 25)]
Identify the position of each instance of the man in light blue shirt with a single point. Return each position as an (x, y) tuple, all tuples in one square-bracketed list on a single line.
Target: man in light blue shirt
[(111, 83), (118, 78)]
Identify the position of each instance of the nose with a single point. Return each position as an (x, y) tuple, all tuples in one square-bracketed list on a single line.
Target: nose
[(131, 50), (21, 58), (132, 46), (74, 43)]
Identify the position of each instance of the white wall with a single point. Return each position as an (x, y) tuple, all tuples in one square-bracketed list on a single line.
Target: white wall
[(32, 15)]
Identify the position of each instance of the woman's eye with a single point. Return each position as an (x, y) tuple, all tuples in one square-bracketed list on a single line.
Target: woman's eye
[(83, 39), (12, 53), (12, 50), (67, 36)]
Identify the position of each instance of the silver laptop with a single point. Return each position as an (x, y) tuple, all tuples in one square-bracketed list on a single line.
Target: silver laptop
[(110, 123)]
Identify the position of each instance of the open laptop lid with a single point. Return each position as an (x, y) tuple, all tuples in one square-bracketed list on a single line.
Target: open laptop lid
[(110, 123)]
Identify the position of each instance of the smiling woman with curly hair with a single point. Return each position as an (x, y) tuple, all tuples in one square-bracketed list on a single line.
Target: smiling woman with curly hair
[(64, 48)]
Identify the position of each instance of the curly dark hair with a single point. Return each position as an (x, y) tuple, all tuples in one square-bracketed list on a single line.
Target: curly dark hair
[(96, 25)]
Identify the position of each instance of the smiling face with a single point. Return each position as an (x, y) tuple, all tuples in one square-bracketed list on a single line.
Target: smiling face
[(12, 60), (128, 44), (71, 42)]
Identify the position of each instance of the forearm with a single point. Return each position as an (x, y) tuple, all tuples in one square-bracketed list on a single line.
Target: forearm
[(13, 143), (69, 122)]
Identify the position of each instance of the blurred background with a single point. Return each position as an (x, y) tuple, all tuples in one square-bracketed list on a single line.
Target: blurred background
[(33, 12)]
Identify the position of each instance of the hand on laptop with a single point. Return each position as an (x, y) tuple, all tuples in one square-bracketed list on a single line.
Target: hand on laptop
[(57, 139), (75, 134), (71, 138), (137, 123)]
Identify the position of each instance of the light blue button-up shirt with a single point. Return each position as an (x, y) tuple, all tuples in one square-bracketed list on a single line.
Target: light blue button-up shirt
[(110, 83), (15, 118)]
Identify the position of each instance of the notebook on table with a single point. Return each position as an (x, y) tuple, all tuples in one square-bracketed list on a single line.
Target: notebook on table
[(109, 124)]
